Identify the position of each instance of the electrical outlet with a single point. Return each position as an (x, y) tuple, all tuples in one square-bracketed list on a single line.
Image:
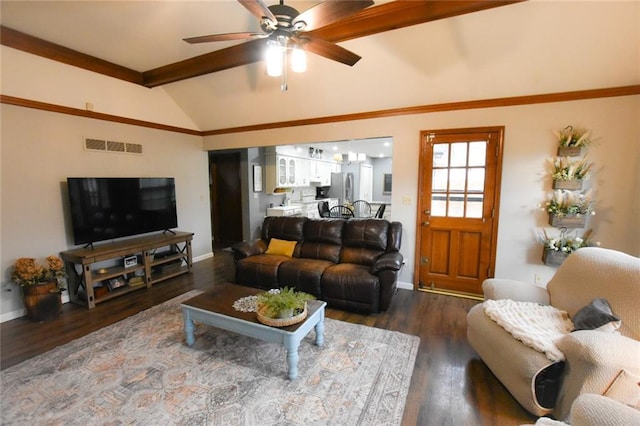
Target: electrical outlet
[(406, 200), (537, 279)]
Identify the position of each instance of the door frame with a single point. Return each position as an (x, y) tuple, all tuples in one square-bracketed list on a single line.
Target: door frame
[(422, 168)]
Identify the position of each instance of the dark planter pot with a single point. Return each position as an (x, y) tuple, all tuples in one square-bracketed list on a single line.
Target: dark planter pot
[(43, 301), (552, 257), (568, 221)]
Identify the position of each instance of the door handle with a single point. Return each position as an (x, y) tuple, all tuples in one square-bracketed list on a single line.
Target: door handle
[(427, 212), (425, 223)]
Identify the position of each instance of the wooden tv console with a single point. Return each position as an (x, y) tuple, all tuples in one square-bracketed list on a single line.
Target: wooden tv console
[(157, 258)]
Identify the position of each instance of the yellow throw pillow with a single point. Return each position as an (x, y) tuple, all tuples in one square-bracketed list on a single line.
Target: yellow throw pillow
[(281, 247)]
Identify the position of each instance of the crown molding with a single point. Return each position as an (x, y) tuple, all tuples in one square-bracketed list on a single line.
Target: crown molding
[(422, 109)]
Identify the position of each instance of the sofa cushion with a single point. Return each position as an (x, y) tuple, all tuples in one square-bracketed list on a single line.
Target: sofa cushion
[(593, 272), (260, 271), (365, 233), (283, 228), (322, 239), (281, 247), (625, 389), (350, 286), (596, 315), (303, 274)]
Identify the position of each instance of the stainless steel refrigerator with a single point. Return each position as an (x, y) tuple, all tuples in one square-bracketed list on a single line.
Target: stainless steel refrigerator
[(341, 187)]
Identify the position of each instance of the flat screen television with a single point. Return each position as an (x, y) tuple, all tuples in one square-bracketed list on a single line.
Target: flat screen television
[(108, 208)]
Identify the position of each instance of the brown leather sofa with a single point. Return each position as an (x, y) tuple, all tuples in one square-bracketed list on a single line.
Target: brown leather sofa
[(352, 264)]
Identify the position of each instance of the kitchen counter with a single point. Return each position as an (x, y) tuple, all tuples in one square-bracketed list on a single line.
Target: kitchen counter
[(293, 210)]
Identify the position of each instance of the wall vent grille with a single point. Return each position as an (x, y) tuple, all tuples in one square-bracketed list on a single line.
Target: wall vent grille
[(134, 148), (91, 144), (95, 144), (115, 146)]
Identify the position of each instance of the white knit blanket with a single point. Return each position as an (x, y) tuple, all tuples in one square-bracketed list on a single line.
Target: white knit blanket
[(537, 326)]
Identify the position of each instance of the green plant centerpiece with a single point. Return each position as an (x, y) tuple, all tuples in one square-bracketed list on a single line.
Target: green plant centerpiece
[(282, 303)]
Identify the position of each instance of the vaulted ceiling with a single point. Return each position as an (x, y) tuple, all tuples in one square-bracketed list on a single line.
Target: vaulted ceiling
[(407, 48)]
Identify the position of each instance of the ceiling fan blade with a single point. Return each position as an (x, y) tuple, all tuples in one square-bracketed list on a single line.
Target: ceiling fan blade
[(329, 50), (258, 9), (224, 37), (330, 11)]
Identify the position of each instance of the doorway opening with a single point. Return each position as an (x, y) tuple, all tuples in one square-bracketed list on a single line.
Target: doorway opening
[(226, 199)]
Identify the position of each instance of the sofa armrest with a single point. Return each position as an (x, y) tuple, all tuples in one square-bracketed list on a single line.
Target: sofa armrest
[(594, 410), (593, 361), (248, 248), (392, 261), (497, 288)]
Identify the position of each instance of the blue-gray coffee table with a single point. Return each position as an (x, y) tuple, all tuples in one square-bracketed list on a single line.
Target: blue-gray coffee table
[(215, 307)]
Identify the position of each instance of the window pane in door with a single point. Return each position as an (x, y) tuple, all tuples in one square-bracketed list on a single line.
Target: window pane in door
[(456, 205), (439, 180), (438, 205), (441, 155), (476, 180), (474, 205), (457, 179), (477, 153), (459, 154)]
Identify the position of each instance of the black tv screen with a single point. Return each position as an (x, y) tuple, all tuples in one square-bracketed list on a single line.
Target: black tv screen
[(107, 208)]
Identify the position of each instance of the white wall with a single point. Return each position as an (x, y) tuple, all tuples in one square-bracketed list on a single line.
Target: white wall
[(41, 149), (529, 141)]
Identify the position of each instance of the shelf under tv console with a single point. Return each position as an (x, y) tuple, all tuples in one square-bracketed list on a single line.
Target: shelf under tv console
[(90, 286)]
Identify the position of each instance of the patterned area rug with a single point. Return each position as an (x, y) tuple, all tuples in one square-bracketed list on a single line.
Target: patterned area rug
[(140, 371)]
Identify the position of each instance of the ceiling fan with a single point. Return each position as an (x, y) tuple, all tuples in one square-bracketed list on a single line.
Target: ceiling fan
[(284, 28)]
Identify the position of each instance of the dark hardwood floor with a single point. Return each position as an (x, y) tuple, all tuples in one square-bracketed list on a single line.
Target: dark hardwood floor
[(450, 385)]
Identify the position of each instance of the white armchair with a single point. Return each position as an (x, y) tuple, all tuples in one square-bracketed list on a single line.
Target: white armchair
[(594, 360)]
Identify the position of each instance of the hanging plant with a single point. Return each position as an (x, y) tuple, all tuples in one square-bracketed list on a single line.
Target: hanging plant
[(571, 137), (564, 203), (563, 168)]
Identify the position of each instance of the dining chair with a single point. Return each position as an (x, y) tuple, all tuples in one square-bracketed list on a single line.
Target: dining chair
[(341, 211), (380, 212), (361, 208), (323, 208)]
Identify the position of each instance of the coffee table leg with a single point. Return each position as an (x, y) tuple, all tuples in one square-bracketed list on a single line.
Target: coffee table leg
[(188, 327), (292, 345), (320, 330)]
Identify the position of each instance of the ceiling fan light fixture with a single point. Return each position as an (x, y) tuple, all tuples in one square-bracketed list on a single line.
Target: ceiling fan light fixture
[(298, 60), (275, 59)]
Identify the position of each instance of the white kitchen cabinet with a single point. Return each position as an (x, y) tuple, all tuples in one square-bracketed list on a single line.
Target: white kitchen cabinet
[(295, 172)]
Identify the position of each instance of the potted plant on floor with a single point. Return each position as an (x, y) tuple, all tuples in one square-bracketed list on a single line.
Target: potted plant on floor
[(41, 286), (282, 307)]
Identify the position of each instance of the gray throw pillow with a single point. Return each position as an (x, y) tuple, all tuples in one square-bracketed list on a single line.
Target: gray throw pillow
[(595, 315)]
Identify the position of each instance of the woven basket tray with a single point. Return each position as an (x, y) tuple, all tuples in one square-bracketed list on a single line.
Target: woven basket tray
[(281, 322)]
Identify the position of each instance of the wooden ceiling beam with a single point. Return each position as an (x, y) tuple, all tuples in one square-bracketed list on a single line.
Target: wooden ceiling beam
[(372, 20), (37, 46)]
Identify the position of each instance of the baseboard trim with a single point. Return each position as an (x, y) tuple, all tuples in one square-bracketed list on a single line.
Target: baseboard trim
[(405, 286), (452, 293)]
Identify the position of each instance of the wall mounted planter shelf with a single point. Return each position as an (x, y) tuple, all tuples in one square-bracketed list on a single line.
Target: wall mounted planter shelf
[(568, 221), (553, 257), (570, 151), (571, 185)]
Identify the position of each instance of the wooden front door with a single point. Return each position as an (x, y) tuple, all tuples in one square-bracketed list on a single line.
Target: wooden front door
[(459, 191)]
